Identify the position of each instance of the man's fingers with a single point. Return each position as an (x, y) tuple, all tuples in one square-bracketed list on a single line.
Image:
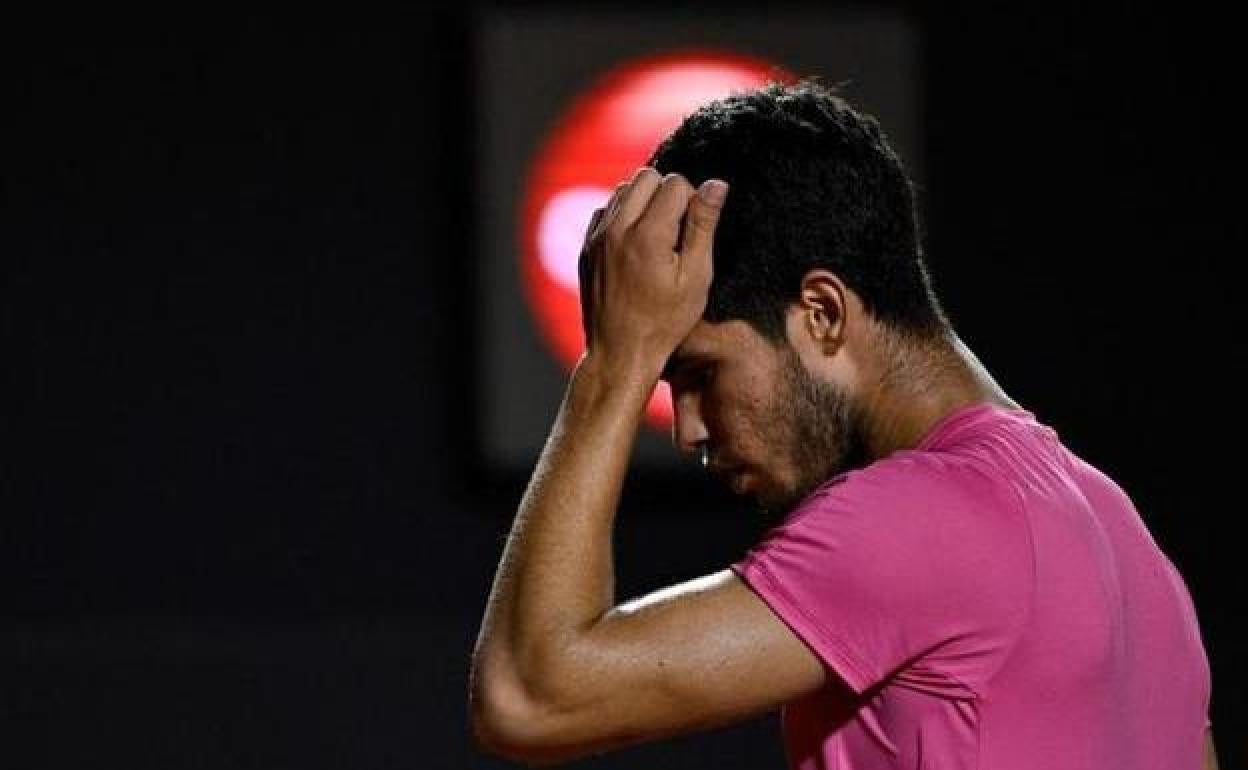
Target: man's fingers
[(662, 217), (594, 223), (585, 267), (632, 203), (585, 262), (598, 222), (617, 195), (602, 217), (700, 221)]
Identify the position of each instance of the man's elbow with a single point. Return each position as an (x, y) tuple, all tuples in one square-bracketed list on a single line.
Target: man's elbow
[(501, 724), (509, 723)]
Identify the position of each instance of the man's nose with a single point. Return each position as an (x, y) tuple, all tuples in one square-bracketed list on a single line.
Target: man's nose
[(688, 429)]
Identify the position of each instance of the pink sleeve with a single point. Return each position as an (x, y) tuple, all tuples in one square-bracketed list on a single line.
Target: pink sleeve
[(904, 569)]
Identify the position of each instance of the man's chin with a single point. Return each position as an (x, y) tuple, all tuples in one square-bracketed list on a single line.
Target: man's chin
[(752, 489), (772, 499)]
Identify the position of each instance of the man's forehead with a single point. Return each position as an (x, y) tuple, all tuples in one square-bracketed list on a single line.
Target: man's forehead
[(708, 339)]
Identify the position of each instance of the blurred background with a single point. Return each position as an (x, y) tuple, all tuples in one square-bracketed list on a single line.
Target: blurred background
[(281, 333)]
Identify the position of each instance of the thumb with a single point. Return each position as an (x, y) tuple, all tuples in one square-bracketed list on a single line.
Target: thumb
[(700, 221)]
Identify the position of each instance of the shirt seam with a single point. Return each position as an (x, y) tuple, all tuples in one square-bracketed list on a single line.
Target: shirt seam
[(860, 670)]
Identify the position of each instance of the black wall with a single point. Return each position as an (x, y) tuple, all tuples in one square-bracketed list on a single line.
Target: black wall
[(240, 524)]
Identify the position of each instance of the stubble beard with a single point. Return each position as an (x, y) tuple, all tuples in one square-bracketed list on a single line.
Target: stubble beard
[(820, 434)]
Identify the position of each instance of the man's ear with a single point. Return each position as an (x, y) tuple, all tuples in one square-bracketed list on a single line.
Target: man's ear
[(822, 302)]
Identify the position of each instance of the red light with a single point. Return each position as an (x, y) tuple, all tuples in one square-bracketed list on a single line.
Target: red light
[(602, 138)]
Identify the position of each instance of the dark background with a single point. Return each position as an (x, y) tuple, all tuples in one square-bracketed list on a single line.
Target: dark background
[(240, 520)]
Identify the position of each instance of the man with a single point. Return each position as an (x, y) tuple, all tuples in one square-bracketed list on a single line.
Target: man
[(949, 588)]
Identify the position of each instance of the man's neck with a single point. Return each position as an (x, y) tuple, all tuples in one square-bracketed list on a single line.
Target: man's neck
[(917, 387)]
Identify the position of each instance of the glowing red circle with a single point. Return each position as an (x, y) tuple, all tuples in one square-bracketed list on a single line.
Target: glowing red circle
[(604, 136)]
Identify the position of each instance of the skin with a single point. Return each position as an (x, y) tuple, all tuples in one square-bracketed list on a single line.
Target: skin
[(560, 669)]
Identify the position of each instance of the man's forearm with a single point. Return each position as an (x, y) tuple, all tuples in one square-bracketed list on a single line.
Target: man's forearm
[(542, 668), (556, 577)]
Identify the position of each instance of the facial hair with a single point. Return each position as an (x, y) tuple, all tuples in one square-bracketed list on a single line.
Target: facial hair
[(819, 433)]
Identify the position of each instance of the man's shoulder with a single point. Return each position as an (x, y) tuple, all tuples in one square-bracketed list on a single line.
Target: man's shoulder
[(911, 482), (913, 470)]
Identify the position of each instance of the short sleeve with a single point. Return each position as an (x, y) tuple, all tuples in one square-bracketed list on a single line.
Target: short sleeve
[(907, 570)]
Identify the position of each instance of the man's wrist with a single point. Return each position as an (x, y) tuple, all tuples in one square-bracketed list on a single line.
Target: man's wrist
[(617, 379)]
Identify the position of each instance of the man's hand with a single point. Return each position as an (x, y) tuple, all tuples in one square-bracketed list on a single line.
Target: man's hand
[(644, 277)]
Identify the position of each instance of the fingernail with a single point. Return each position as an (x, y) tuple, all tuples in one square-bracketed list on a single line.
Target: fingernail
[(713, 192)]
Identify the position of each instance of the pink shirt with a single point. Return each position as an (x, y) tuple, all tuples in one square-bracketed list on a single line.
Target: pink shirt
[(994, 602)]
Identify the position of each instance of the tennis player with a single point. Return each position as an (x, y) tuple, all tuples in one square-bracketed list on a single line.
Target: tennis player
[(946, 586)]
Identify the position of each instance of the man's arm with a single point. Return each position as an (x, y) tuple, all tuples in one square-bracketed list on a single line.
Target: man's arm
[(558, 672)]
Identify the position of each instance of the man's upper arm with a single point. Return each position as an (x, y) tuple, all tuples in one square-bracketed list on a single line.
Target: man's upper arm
[(699, 654)]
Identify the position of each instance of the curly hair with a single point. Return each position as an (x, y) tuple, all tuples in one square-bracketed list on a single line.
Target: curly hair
[(814, 185)]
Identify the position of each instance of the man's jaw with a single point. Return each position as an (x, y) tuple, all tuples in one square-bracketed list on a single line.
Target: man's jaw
[(733, 475)]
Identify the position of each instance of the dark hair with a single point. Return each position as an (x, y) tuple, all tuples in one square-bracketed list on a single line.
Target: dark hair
[(814, 184)]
